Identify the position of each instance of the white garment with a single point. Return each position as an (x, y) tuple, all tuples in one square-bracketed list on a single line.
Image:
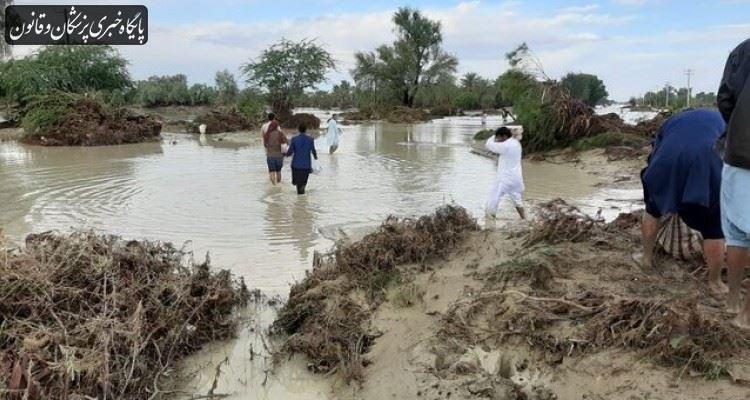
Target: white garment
[(509, 178), (332, 134)]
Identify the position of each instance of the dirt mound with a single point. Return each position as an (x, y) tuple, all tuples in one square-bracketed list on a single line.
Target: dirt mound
[(327, 315), (393, 115), (293, 122), (90, 316), (407, 115), (72, 120), (221, 120), (651, 127)]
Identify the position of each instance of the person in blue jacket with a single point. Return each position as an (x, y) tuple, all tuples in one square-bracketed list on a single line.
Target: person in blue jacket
[(300, 149), (683, 177)]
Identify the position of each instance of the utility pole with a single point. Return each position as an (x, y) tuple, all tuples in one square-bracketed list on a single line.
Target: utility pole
[(667, 89), (689, 74)]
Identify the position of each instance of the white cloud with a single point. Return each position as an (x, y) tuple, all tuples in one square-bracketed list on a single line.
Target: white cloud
[(631, 2), (479, 34)]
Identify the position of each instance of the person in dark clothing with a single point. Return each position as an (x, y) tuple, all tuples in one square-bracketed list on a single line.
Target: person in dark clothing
[(733, 100), (301, 147), (683, 177)]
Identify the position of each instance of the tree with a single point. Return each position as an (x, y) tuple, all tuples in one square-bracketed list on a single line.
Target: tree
[(72, 69), (415, 60), (585, 87), (164, 91), (286, 69), (201, 94), (226, 87)]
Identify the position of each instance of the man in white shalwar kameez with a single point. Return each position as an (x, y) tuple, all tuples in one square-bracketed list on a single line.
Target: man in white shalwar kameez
[(509, 179)]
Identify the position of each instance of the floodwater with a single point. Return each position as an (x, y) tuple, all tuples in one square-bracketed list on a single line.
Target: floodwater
[(215, 197)]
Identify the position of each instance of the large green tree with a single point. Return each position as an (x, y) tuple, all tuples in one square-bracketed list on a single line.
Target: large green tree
[(585, 87), (226, 87), (415, 60), (72, 69), (286, 69)]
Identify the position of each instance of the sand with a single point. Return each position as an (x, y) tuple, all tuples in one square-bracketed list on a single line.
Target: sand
[(501, 318)]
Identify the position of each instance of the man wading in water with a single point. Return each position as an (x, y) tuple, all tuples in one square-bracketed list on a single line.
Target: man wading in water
[(734, 105), (509, 179), (300, 149), (273, 140)]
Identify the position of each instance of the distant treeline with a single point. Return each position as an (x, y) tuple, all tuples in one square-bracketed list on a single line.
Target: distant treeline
[(675, 98)]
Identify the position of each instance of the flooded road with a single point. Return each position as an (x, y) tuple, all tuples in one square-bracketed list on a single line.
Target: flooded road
[(215, 196)]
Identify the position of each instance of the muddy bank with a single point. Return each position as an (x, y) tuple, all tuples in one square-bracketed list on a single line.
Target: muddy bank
[(92, 316), (9, 134)]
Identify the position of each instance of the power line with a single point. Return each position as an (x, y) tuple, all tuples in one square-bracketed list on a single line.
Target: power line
[(689, 72)]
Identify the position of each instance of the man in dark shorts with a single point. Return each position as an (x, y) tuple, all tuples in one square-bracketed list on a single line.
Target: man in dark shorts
[(683, 177), (274, 139)]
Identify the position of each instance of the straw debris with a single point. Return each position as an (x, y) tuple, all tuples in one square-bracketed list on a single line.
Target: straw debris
[(328, 313), (94, 316)]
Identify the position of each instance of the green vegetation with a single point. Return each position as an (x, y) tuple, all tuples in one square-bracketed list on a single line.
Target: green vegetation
[(286, 69), (484, 134), (47, 112), (585, 87), (226, 87), (677, 99), (415, 60), (610, 139), (550, 116), (72, 69), (69, 119)]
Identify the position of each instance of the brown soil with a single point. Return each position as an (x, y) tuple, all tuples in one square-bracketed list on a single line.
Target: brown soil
[(393, 115), (221, 120), (89, 316), (293, 122), (9, 134)]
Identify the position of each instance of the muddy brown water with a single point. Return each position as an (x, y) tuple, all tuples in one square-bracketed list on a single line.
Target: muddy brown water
[(215, 197)]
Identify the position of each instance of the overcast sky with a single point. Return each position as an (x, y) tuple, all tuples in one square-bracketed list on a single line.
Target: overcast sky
[(633, 45)]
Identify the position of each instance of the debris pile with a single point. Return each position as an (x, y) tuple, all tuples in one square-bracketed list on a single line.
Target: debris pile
[(63, 119), (328, 313), (92, 316), (294, 121), (570, 289), (221, 120)]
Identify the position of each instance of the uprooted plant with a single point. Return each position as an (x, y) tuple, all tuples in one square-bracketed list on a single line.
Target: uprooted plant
[(93, 316)]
